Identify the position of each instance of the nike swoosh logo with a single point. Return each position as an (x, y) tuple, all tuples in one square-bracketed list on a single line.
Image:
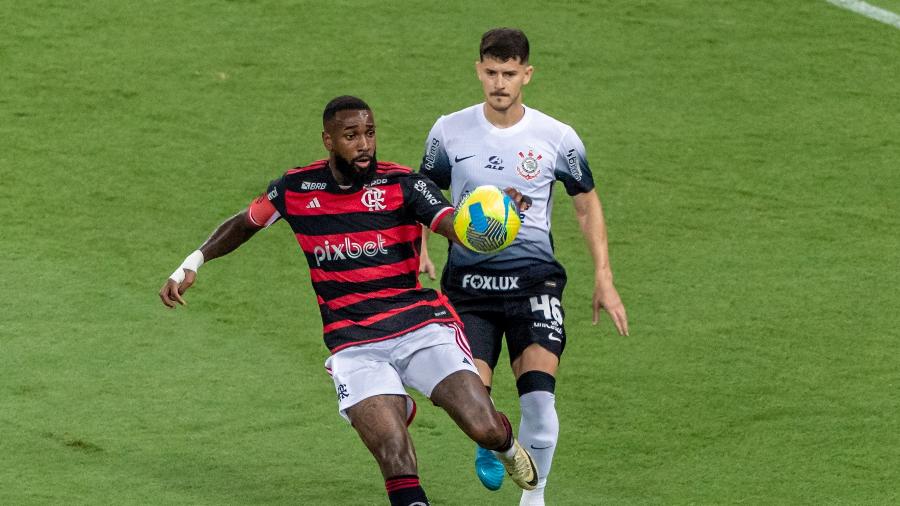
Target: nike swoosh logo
[(457, 159), (552, 338), (540, 447)]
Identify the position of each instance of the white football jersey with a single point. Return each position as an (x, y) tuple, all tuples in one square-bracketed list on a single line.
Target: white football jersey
[(464, 151)]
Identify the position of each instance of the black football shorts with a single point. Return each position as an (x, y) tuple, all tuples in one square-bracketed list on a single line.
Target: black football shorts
[(534, 315)]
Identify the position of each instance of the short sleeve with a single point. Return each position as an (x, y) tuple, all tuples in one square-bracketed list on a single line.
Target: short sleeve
[(262, 212), (572, 168), (275, 194), (424, 200), (435, 162)]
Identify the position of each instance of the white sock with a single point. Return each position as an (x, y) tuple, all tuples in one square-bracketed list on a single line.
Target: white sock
[(538, 433), (532, 497)]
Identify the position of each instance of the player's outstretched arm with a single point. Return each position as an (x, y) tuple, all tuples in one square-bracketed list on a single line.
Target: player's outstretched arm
[(445, 228), (590, 217), (226, 238)]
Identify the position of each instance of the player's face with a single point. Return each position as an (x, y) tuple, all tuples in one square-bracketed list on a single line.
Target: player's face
[(502, 81), (350, 138)]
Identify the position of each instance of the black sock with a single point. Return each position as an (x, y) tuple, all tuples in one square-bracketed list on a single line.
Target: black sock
[(404, 490)]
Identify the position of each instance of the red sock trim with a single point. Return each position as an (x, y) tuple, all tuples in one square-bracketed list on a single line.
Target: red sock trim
[(509, 433), (401, 482)]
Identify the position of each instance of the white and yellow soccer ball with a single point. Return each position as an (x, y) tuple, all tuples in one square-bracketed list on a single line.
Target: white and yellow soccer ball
[(487, 220)]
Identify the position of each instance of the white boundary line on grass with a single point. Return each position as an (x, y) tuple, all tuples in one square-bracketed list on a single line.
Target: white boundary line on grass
[(868, 10)]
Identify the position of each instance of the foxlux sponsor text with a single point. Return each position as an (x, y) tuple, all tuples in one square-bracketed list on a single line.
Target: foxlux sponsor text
[(499, 283)]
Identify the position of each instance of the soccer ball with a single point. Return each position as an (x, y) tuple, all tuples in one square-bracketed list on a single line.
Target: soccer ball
[(487, 220)]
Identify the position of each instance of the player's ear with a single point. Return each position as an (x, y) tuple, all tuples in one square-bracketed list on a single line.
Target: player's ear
[(528, 71), (327, 141)]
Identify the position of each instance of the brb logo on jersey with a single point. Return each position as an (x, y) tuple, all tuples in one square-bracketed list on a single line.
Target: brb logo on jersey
[(373, 198), (528, 167), (307, 185), (348, 249)]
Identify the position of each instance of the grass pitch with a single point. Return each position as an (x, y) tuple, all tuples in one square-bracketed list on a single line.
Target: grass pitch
[(747, 157)]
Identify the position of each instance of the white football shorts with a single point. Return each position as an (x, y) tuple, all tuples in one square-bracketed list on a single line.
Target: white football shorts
[(419, 359)]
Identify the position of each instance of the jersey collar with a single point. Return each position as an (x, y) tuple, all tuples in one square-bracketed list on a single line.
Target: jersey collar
[(504, 132)]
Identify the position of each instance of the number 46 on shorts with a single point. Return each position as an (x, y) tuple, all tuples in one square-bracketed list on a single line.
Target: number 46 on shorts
[(549, 306)]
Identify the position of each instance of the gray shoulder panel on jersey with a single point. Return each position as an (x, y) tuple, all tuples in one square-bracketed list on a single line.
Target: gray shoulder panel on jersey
[(571, 166), (435, 163)]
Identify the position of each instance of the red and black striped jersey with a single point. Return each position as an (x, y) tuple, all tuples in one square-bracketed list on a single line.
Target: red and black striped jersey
[(362, 246)]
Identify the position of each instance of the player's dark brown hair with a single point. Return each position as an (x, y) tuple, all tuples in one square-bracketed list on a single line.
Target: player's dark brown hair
[(343, 103), (504, 44)]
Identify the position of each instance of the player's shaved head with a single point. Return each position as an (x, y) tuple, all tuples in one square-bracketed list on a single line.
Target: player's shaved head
[(504, 44), (342, 103)]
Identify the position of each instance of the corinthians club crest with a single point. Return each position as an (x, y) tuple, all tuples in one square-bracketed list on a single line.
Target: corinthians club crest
[(528, 167)]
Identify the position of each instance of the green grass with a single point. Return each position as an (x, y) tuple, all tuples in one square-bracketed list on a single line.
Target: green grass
[(746, 154)]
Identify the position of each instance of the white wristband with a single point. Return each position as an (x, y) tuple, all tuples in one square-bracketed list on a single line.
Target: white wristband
[(191, 263)]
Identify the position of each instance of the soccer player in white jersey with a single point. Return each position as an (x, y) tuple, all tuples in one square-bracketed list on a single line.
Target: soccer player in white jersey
[(518, 291)]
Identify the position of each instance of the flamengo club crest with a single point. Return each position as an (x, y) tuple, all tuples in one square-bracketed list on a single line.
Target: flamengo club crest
[(528, 167), (373, 198)]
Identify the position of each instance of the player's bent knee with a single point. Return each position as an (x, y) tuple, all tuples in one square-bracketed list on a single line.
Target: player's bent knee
[(536, 358)]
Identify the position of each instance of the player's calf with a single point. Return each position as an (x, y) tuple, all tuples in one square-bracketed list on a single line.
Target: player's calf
[(464, 398), (380, 422)]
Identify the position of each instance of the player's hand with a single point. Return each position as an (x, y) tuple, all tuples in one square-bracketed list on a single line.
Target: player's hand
[(522, 202), (607, 298), (171, 292), (426, 265)]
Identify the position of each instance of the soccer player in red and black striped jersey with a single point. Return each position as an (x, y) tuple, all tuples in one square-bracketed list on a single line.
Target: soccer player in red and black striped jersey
[(357, 221)]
